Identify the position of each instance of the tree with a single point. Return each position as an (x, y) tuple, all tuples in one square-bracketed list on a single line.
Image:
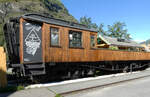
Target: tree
[(101, 30), (88, 22), (118, 30), (4, 11)]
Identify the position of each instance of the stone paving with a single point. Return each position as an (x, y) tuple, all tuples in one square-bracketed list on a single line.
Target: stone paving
[(36, 92), (50, 90), (134, 88)]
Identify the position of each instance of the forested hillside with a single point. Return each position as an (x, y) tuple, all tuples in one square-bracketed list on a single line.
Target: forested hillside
[(13, 8)]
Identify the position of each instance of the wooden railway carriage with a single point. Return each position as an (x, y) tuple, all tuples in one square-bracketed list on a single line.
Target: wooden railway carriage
[(40, 45)]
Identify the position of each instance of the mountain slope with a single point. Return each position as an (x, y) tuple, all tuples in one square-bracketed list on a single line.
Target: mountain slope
[(49, 7), (13, 8)]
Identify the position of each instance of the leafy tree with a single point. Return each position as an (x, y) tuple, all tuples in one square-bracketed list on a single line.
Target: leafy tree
[(127, 36), (113, 48), (118, 30), (5, 9), (101, 30), (88, 22)]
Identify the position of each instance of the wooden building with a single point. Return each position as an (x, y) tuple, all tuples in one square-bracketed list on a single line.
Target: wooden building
[(146, 47), (118, 44)]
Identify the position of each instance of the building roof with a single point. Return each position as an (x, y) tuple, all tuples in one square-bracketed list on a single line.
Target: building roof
[(50, 20), (147, 47), (119, 42)]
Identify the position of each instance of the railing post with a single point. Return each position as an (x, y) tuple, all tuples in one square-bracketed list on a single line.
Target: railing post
[(3, 68)]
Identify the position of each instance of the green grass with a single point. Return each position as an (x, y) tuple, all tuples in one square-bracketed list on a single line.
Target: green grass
[(58, 95), (11, 89)]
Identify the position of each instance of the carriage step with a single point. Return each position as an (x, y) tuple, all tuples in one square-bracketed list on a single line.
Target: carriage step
[(34, 66), (34, 69), (37, 72)]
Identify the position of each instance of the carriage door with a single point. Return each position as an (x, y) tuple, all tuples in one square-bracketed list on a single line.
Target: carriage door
[(32, 42)]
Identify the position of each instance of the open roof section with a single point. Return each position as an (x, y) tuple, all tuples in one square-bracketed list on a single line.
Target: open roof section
[(50, 20)]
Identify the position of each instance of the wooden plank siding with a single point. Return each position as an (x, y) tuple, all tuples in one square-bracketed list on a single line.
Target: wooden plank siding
[(87, 54), (3, 68), (63, 53)]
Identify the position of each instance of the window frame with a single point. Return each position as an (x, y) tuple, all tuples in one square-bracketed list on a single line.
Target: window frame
[(81, 47), (91, 34), (58, 35)]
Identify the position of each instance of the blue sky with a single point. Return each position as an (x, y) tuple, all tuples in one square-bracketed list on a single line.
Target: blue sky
[(135, 13)]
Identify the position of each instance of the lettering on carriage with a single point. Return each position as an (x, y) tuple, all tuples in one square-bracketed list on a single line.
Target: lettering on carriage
[(32, 41)]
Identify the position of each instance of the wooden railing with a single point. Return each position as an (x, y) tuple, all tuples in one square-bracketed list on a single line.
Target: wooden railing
[(3, 68)]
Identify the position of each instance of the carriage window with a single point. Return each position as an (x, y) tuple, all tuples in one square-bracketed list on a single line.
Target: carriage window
[(92, 37), (54, 37), (75, 39)]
